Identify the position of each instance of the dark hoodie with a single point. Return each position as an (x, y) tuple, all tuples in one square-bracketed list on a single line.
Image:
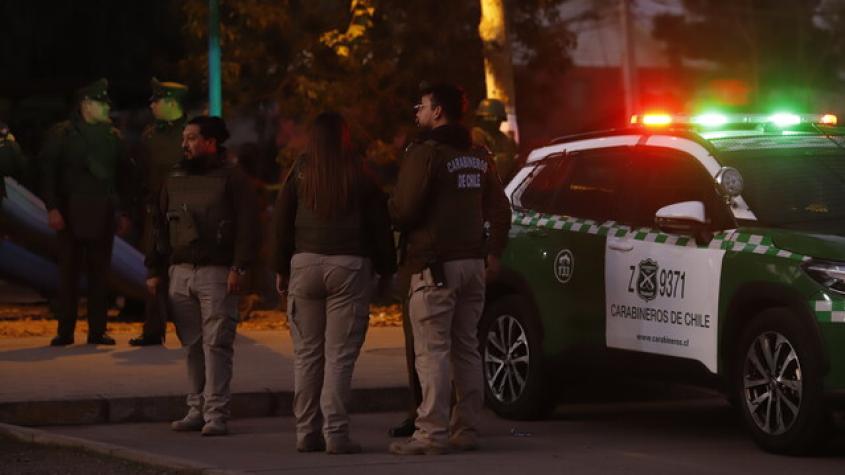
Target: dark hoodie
[(445, 192)]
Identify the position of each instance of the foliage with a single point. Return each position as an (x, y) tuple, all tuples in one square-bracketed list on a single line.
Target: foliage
[(364, 58)]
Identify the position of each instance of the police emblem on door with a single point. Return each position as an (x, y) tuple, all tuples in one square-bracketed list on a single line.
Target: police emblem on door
[(647, 280), (564, 266)]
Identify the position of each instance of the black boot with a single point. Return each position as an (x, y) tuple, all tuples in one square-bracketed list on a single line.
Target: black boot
[(60, 340), (146, 340), (101, 339)]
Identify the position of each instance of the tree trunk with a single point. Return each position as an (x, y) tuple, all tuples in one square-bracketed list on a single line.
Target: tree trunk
[(498, 68)]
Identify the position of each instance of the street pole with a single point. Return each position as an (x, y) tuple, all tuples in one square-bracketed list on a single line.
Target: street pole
[(629, 61), (498, 65), (215, 93)]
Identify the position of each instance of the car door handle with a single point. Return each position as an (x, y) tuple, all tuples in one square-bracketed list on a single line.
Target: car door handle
[(619, 245), (538, 233)]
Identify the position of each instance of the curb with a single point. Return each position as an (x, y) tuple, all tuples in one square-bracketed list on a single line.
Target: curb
[(40, 437), (167, 408)]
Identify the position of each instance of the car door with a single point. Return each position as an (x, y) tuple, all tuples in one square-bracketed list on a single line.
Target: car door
[(570, 202), (662, 289)]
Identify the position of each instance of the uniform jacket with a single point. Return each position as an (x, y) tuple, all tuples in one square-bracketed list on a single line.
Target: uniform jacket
[(85, 174), (160, 149), (445, 192), (364, 230), (501, 146), (12, 162), (207, 215)]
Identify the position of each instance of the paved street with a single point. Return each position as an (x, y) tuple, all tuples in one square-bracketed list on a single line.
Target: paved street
[(690, 436)]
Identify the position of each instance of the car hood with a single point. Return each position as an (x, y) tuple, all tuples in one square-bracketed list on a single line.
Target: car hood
[(820, 246)]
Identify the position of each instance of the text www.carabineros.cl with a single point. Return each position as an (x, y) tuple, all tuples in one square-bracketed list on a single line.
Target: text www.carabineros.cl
[(664, 340)]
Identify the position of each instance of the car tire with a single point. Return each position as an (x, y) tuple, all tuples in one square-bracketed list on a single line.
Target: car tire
[(777, 383), (510, 341)]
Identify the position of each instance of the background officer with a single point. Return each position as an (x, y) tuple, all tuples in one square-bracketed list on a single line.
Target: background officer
[(84, 182), (12, 159), (446, 191), (205, 237), (159, 151), (487, 133)]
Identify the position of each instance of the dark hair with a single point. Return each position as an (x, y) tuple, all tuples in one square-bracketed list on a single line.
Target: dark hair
[(331, 171), (211, 128), (448, 96)]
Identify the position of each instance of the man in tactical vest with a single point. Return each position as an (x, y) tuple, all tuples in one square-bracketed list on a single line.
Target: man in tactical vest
[(487, 133), (84, 168), (205, 238), (446, 191), (159, 151)]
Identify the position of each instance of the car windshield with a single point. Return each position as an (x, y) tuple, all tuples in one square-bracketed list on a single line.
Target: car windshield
[(802, 189)]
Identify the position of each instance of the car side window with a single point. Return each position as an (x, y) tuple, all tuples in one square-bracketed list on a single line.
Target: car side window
[(547, 180), (591, 188), (660, 178)]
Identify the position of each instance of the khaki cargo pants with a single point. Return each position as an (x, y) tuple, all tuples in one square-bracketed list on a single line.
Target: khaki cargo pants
[(328, 313), (445, 324), (206, 317)]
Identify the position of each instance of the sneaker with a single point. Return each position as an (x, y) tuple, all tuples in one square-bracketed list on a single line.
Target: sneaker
[(418, 447), (214, 428), (405, 428), (343, 446), (187, 424), (464, 442), (311, 443), (61, 341), (101, 339)]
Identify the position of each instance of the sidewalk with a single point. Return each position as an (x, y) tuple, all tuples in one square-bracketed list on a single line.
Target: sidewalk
[(83, 384)]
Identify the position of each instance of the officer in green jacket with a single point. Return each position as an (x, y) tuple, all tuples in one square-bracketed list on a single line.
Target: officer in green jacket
[(205, 239), (159, 151), (83, 164), (488, 118), (12, 159)]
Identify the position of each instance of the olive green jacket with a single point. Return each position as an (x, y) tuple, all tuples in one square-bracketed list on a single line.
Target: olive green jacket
[(159, 150), (84, 159), (12, 162)]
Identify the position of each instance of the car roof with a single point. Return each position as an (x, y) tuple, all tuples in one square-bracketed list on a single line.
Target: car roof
[(714, 141)]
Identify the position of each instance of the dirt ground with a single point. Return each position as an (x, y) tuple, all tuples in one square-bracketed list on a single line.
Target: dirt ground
[(21, 458)]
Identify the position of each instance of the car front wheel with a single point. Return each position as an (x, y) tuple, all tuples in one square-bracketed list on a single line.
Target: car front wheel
[(513, 363), (778, 384)]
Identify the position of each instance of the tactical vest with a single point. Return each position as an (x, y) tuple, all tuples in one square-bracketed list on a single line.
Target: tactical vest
[(342, 234), (200, 215)]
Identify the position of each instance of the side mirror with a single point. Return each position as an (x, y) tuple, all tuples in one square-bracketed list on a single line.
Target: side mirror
[(687, 218)]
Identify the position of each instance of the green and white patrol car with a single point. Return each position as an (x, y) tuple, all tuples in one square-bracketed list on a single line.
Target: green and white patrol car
[(712, 248)]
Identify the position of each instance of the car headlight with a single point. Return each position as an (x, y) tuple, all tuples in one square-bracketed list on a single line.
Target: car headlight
[(829, 274)]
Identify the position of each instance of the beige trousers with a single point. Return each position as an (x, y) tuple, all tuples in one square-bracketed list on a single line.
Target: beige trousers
[(445, 324), (328, 312), (206, 318)]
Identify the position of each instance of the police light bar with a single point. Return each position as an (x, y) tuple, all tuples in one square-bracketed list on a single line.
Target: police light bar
[(653, 119), (716, 120)]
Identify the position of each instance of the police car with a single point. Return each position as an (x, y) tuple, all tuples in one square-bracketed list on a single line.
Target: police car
[(708, 249)]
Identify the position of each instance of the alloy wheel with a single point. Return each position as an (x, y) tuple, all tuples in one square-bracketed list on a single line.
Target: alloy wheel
[(506, 359), (772, 383)]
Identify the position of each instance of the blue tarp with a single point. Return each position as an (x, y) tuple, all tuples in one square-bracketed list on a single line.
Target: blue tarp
[(29, 255)]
